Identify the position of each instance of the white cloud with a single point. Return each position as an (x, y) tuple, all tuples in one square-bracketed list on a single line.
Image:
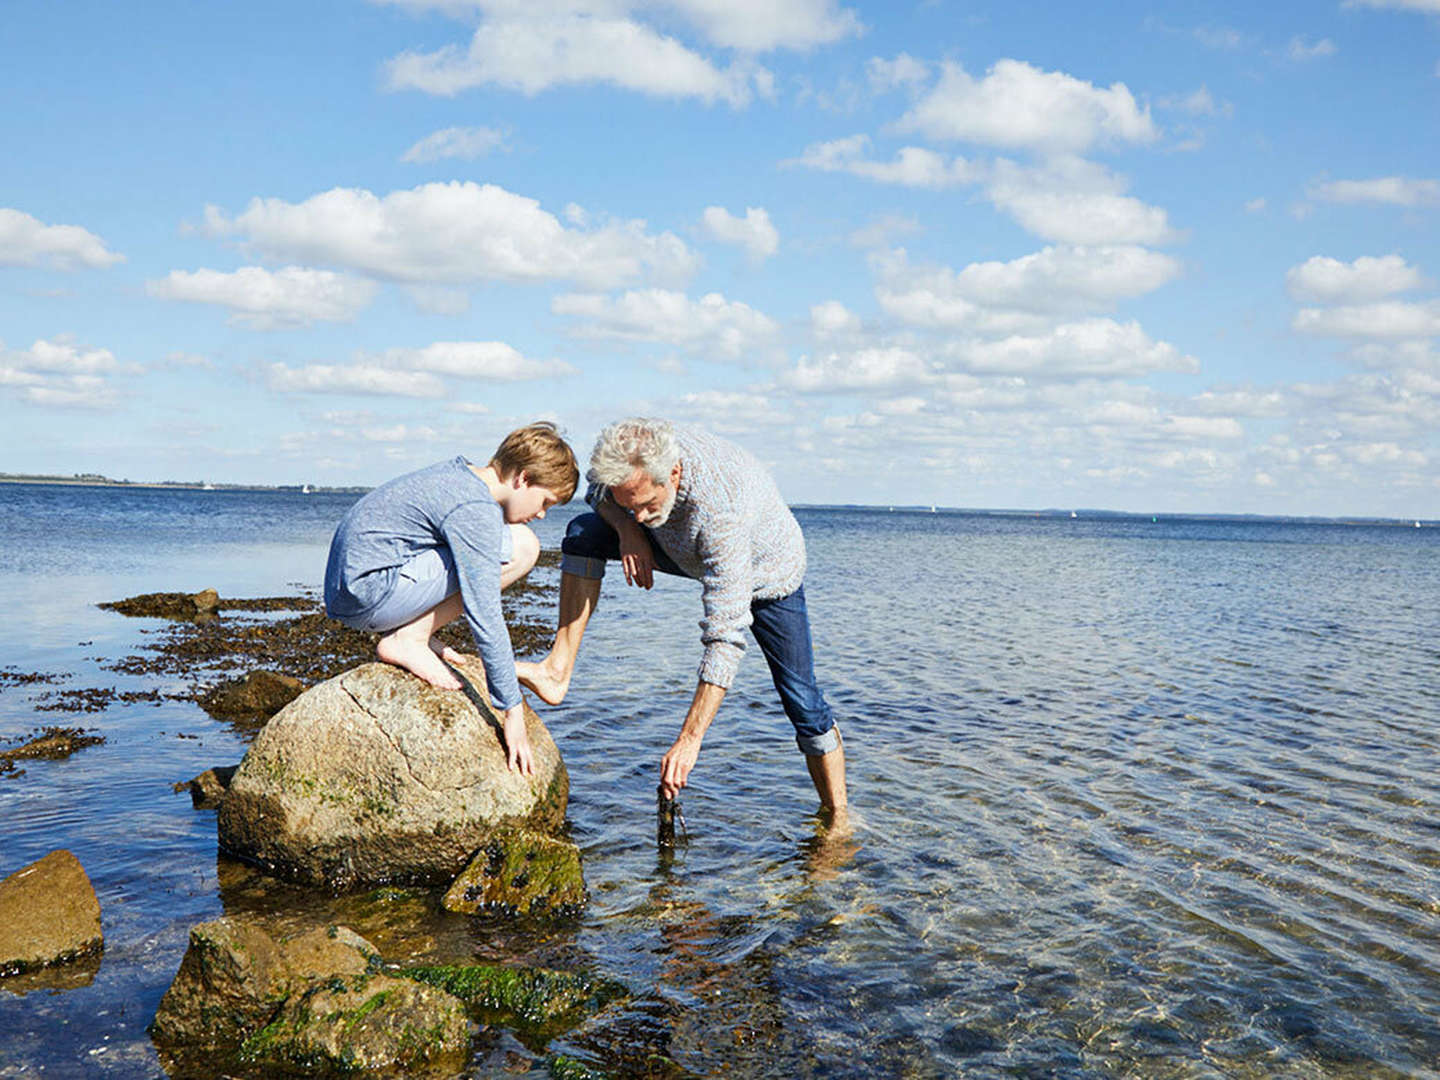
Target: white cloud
[(833, 319), (1055, 279), (904, 72), (1196, 103), (466, 144), (880, 232), (1386, 319), (878, 368), (353, 379), (26, 241), (763, 25), (1386, 190), (1092, 347), (451, 232), (1429, 7), (1073, 201), (753, 232), (710, 324), (1367, 278), (493, 360), (270, 299), (1018, 105), (62, 374), (1301, 49), (913, 166), (535, 52)]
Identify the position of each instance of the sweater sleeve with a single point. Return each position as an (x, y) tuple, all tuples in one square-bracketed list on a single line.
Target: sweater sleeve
[(473, 533), (726, 587)]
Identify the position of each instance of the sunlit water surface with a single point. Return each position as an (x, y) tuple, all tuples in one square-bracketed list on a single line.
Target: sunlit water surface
[(1129, 799)]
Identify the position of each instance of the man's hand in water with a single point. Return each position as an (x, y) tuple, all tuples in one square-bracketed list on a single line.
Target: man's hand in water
[(675, 766), (517, 743)]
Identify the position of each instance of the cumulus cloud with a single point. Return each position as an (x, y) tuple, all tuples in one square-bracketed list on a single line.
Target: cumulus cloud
[(711, 324), (494, 360), (26, 241), (62, 373), (913, 166), (833, 319), (1017, 105), (1385, 190), (462, 143), (753, 232), (903, 72), (1073, 201), (270, 299), (872, 368), (1053, 280), (446, 233), (1384, 319), (1300, 49), (1092, 347), (1367, 278), (374, 379)]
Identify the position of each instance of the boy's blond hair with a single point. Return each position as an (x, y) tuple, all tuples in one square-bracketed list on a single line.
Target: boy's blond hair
[(542, 455)]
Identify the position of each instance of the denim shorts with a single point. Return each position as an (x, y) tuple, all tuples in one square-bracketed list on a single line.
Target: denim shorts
[(422, 583), (781, 628)]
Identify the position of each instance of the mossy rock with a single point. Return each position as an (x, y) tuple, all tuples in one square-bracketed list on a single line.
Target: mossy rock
[(537, 1003), (364, 1022), (518, 871)]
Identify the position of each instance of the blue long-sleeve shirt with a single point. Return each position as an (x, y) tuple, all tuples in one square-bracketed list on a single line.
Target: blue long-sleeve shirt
[(445, 505)]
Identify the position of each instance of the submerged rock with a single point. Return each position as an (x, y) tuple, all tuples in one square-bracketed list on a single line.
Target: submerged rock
[(168, 605), (535, 1001), (52, 743), (376, 776), (207, 790), (368, 1022), (520, 872), (256, 696), (49, 914), (314, 1003)]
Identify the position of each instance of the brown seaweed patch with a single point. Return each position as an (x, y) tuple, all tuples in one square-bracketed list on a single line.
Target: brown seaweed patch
[(49, 744), (12, 677), (168, 605)]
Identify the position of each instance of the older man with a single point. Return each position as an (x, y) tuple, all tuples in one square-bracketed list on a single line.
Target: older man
[(683, 501)]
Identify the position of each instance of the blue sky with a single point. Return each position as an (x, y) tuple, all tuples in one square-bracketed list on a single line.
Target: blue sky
[(1153, 257)]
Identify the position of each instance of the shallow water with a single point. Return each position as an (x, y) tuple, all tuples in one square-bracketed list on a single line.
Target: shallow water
[(1130, 799)]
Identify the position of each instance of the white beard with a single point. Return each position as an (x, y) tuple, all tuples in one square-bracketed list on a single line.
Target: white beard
[(657, 518)]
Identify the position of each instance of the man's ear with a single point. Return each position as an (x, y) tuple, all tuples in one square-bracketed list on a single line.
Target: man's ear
[(675, 473)]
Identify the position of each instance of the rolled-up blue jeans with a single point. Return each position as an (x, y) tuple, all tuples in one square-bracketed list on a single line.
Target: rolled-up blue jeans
[(781, 628)]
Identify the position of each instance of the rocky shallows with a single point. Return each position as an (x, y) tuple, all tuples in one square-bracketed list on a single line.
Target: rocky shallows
[(375, 776)]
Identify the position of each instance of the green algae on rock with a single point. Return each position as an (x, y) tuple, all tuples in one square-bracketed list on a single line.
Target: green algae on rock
[(520, 872), (537, 1003)]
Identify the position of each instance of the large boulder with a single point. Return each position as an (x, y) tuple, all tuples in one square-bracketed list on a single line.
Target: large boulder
[(377, 776), (48, 914)]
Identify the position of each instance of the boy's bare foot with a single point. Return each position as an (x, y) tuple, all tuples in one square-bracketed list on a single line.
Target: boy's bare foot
[(418, 659), (445, 652), (547, 686)]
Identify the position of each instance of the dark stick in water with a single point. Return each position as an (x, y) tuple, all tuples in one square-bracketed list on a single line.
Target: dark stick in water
[(667, 813)]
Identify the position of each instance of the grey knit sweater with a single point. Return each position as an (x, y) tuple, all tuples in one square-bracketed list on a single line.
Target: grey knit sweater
[(732, 531)]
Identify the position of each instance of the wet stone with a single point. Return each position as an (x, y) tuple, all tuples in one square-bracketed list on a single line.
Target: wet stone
[(517, 871), (168, 605), (254, 697), (208, 789), (49, 914), (537, 1003)]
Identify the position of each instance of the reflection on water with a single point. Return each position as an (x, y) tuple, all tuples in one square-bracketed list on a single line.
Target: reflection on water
[(1130, 799)]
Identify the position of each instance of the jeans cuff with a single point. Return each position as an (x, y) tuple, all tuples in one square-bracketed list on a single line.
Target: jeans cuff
[(819, 745), (584, 566)]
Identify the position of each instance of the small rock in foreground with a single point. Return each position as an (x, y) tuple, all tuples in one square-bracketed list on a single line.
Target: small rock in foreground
[(207, 791), (49, 914), (258, 695), (168, 605)]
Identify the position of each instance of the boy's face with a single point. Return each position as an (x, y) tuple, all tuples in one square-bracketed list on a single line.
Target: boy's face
[(527, 501)]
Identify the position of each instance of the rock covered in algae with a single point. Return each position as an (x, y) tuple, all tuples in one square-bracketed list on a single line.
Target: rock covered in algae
[(520, 872), (168, 605), (366, 1022), (255, 696), (530, 999), (49, 914), (376, 776), (313, 1003)]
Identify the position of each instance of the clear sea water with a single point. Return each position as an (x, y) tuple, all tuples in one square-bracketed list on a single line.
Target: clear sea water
[(1130, 798)]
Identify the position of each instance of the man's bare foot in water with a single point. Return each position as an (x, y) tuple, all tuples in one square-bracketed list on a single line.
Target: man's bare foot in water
[(547, 686), (418, 658)]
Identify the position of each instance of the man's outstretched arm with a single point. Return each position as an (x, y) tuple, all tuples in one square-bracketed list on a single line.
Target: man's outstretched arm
[(675, 766)]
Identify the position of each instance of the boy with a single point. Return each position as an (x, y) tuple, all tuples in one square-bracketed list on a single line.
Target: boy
[(425, 548)]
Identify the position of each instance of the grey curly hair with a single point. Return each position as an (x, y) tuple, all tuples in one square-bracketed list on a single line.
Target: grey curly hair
[(634, 443)]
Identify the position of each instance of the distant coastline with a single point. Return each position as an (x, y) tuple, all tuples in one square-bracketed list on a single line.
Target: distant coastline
[(96, 480), (1081, 514)]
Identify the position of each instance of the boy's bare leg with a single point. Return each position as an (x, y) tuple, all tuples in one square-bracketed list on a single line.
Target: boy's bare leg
[(549, 678), (409, 647), (525, 551)]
